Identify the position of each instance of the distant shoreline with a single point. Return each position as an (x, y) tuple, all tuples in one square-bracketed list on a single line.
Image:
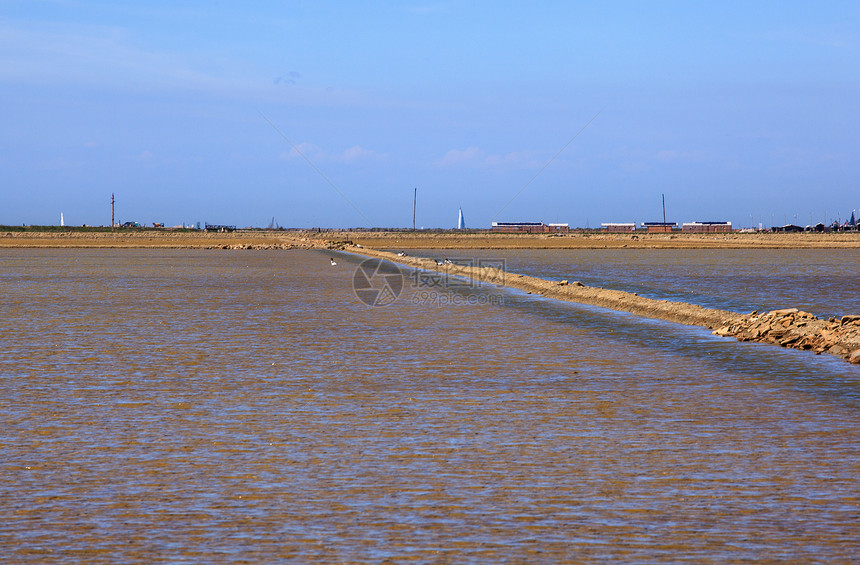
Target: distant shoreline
[(283, 239)]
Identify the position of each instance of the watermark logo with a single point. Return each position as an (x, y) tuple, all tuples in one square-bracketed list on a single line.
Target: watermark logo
[(377, 282), (436, 298), (462, 274)]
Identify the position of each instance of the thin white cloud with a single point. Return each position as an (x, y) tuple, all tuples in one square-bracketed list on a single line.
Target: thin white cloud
[(475, 157), (457, 157), (316, 154), (304, 150), (524, 159), (356, 153), (144, 156), (114, 58), (95, 56)]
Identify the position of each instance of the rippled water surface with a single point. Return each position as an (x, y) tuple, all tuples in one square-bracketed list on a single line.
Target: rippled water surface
[(245, 406)]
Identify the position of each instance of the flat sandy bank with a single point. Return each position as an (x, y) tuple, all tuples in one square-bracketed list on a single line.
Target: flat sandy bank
[(157, 239), (426, 240)]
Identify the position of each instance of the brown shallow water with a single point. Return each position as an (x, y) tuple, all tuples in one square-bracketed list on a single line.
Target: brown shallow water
[(211, 406)]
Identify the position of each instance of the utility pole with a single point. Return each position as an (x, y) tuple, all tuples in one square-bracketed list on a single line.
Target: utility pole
[(414, 205), (112, 223)]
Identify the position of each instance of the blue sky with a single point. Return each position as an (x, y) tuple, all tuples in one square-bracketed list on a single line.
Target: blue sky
[(330, 113)]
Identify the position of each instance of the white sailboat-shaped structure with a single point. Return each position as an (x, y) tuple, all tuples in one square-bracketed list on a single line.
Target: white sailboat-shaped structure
[(461, 221)]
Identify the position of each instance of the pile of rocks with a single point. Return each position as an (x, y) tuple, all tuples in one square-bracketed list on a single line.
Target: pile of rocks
[(799, 330)]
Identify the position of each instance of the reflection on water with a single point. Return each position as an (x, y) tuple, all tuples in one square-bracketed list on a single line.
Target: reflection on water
[(246, 406)]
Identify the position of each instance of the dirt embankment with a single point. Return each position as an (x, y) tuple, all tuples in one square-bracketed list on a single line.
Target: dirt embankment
[(164, 239), (254, 239), (787, 328)]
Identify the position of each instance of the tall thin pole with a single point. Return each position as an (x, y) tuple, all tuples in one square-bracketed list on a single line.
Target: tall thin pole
[(112, 223), (414, 206)]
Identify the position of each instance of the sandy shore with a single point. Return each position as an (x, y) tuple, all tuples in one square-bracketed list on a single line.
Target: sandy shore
[(158, 239), (427, 240)]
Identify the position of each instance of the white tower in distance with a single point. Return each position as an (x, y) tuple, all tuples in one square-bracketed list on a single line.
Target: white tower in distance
[(461, 221)]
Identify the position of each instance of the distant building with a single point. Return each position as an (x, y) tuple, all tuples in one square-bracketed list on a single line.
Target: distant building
[(660, 227), (790, 228), (219, 228), (707, 227), (618, 227), (530, 227)]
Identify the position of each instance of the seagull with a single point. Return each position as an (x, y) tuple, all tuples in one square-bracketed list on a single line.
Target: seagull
[(401, 254), (448, 261), (332, 261)]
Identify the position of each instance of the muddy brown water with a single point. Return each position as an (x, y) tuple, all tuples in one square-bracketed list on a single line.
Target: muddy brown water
[(244, 406)]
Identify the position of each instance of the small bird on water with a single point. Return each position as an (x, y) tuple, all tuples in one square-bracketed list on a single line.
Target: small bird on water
[(332, 261)]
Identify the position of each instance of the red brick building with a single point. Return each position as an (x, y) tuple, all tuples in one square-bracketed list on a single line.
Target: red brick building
[(530, 227)]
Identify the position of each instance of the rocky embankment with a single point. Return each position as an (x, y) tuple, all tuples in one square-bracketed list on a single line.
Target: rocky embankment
[(799, 330)]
